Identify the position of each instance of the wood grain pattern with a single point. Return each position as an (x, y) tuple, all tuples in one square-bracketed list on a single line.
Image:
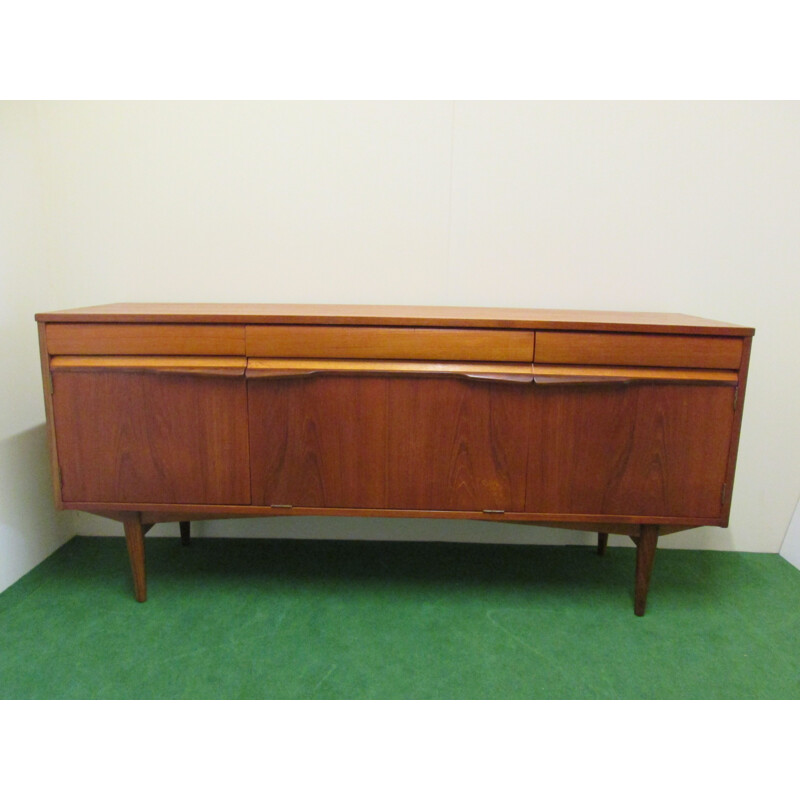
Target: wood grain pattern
[(438, 344), (456, 445), (414, 316), (130, 437), (644, 450), (643, 350), (134, 339), (319, 442), (233, 366)]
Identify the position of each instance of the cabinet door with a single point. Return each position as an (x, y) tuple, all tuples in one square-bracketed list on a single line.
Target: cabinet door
[(130, 437), (457, 445), (399, 442), (318, 441), (634, 450)]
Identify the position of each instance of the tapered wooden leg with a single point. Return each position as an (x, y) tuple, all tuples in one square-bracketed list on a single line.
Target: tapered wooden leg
[(134, 536), (186, 532), (602, 542), (645, 555)]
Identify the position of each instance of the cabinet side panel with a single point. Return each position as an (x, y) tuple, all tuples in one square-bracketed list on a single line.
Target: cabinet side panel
[(48, 411), (737, 427), (130, 437), (457, 445), (318, 441), (642, 450)]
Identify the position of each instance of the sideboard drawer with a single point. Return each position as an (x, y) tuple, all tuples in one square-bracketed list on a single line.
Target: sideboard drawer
[(94, 339), (639, 349), (441, 344)]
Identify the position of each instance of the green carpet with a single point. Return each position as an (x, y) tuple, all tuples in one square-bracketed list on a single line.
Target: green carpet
[(321, 619)]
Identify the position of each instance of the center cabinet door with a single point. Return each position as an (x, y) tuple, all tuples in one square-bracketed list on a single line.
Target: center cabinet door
[(417, 443)]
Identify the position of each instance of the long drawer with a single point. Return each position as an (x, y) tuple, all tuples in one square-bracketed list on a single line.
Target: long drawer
[(441, 344), (638, 349), (123, 339)]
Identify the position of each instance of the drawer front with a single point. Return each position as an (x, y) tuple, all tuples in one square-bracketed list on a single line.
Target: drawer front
[(646, 350), (443, 344), (121, 339)]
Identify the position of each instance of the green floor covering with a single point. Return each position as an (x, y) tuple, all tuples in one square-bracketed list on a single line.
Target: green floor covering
[(321, 619)]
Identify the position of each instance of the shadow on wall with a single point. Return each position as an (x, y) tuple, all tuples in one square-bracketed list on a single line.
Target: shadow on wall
[(30, 528)]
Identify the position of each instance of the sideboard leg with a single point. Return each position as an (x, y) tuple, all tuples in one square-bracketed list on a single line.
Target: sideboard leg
[(186, 532), (134, 536), (602, 542), (645, 555)]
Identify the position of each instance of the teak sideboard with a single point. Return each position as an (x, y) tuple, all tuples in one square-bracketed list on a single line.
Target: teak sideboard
[(623, 423)]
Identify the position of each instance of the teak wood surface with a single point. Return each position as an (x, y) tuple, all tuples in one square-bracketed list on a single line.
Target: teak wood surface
[(623, 423), (318, 443), (643, 350), (437, 344), (155, 340), (134, 438), (456, 445), (414, 316), (643, 450)]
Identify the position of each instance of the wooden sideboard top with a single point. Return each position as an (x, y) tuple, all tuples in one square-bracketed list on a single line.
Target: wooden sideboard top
[(404, 316)]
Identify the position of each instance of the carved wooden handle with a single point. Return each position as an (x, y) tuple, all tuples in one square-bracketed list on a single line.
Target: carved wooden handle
[(220, 366), (296, 368), (567, 374)]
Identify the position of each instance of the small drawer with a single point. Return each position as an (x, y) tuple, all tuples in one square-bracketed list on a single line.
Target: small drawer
[(436, 344), (122, 339), (645, 350)]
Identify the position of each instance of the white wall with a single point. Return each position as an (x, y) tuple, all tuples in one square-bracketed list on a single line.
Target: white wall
[(29, 527), (687, 207)]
